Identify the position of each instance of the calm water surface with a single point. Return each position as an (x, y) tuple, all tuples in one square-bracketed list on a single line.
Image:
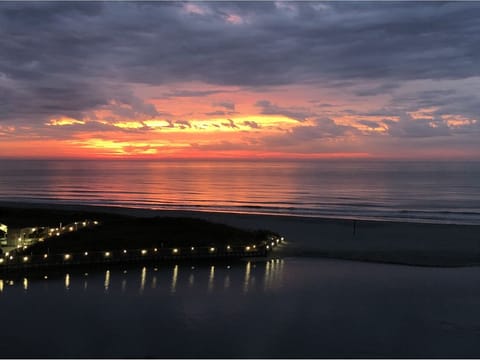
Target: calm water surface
[(386, 190), (290, 307)]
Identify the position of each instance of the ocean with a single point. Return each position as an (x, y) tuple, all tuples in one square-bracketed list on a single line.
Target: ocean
[(287, 305), (413, 191)]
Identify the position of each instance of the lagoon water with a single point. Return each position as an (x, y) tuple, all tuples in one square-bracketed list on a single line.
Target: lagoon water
[(289, 307), (441, 191)]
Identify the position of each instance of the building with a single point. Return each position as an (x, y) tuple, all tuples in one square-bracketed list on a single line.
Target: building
[(3, 234), (21, 237)]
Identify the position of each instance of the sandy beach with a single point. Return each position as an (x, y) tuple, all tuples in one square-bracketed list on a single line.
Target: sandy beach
[(378, 241)]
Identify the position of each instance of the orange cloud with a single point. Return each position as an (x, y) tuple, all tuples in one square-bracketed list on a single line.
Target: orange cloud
[(62, 121)]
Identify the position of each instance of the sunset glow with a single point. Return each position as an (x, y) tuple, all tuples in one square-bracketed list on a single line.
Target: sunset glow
[(262, 88)]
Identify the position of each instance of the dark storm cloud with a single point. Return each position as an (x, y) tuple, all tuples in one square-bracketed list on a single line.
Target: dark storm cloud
[(68, 58)]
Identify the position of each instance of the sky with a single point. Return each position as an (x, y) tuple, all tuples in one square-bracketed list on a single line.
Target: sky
[(293, 80)]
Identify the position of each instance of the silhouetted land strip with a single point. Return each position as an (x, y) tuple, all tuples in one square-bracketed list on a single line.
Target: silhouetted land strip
[(125, 239), (409, 243)]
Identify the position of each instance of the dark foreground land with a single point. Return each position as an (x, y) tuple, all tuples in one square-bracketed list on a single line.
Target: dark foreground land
[(421, 244), (101, 237)]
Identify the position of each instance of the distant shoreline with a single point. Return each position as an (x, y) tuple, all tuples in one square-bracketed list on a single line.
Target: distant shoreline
[(408, 243), (150, 212)]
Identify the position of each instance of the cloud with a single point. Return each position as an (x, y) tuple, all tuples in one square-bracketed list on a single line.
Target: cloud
[(369, 123), (219, 113), (129, 106), (252, 124), (340, 41), (79, 59), (297, 113), (230, 124), (376, 90), (323, 128), (417, 128), (183, 123), (226, 105), (185, 93)]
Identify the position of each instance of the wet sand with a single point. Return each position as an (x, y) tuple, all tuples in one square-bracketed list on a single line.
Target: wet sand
[(378, 241)]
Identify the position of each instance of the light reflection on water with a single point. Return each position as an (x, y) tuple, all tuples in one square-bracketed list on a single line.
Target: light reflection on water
[(442, 191), (107, 280), (143, 279), (284, 308), (210, 277), (67, 281)]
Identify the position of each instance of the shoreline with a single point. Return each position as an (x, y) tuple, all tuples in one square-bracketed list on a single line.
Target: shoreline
[(145, 211), (151, 212), (407, 243)]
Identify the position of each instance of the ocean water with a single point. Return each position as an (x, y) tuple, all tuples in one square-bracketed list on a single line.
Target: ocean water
[(278, 308), (284, 306), (441, 191)]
